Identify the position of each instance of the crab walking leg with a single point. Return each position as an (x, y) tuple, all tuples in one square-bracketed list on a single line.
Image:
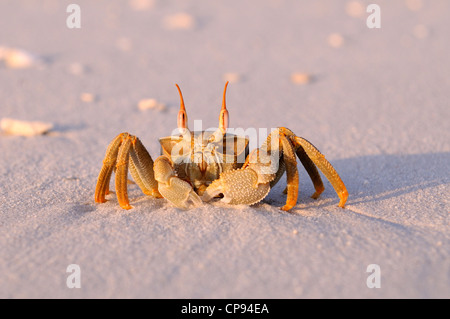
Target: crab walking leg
[(312, 171), (175, 190), (136, 177), (307, 163), (109, 162), (278, 142), (141, 168), (326, 168), (291, 173), (122, 173)]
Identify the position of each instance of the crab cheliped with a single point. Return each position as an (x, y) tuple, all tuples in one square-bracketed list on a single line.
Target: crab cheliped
[(196, 167)]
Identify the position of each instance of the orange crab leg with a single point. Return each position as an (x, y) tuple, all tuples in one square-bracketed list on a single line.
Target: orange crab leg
[(109, 163), (122, 173), (141, 168), (291, 173), (312, 171), (126, 151), (326, 168)]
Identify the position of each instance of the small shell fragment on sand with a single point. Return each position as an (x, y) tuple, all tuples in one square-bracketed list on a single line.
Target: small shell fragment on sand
[(180, 20), (16, 58), (141, 5), (77, 68), (231, 77), (414, 5), (24, 128), (335, 40), (146, 104), (355, 9), (87, 97), (124, 44), (300, 78), (420, 31)]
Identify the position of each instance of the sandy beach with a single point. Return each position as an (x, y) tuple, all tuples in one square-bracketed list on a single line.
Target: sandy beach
[(375, 102)]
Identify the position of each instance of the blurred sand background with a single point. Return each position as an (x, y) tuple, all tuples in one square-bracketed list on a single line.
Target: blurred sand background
[(374, 101)]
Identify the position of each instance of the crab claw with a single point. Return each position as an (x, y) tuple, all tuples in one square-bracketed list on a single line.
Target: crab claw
[(179, 193), (175, 190), (242, 186)]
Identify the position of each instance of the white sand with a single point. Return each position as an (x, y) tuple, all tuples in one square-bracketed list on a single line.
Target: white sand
[(378, 108)]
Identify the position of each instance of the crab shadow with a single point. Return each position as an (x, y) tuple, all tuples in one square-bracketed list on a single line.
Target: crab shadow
[(377, 177)]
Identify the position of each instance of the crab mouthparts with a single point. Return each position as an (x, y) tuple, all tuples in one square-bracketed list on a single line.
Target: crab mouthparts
[(203, 165)]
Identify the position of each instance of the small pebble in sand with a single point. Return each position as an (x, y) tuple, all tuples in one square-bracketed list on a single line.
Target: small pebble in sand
[(124, 44), (141, 5), (414, 5), (179, 21), (335, 40), (146, 104), (231, 77), (355, 9), (420, 31), (24, 128), (87, 97), (300, 78), (16, 58), (77, 68)]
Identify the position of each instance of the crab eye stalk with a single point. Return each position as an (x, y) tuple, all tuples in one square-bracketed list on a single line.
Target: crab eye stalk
[(223, 120), (223, 117), (182, 115)]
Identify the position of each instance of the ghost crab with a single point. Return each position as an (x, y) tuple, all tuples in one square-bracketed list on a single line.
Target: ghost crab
[(198, 166)]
